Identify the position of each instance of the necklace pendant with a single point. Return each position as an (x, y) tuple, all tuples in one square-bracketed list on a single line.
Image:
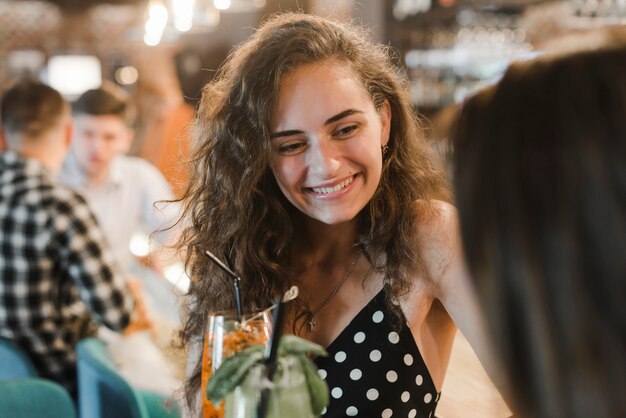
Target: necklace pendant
[(310, 315)]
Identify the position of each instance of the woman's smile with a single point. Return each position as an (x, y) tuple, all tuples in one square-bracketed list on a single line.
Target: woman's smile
[(332, 190)]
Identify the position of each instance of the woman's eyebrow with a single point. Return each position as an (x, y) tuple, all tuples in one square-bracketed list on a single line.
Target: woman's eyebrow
[(341, 115), (328, 121), (285, 133)]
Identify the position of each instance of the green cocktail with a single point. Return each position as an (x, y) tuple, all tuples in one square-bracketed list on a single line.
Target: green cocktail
[(288, 394), (296, 389)]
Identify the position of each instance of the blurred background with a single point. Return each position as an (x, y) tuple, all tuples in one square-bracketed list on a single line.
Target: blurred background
[(163, 51)]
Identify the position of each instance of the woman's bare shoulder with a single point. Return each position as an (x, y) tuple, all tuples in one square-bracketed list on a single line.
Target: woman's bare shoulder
[(434, 210), (437, 224), (437, 235)]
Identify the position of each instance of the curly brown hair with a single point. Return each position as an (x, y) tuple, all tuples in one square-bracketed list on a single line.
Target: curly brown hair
[(233, 206)]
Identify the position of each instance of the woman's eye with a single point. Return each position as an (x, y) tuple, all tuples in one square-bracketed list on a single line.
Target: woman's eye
[(290, 148), (346, 130)]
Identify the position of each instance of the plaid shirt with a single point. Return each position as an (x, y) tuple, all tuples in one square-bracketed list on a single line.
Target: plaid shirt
[(56, 274)]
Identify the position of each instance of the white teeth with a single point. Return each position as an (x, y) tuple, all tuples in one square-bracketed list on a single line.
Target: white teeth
[(325, 190)]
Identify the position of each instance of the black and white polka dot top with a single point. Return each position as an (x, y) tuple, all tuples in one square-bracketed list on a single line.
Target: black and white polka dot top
[(373, 371)]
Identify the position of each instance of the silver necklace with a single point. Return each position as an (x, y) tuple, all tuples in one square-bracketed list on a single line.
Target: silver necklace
[(310, 316)]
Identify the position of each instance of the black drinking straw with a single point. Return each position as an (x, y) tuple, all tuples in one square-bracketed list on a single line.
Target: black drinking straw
[(237, 298), (271, 356), (236, 280)]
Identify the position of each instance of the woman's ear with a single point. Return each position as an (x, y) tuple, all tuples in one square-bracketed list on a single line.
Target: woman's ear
[(385, 123)]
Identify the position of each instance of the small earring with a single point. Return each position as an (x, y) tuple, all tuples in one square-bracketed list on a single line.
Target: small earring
[(384, 149)]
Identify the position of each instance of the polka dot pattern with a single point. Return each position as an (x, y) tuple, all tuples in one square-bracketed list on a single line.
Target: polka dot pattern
[(375, 369), (378, 317), (352, 411), (405, 396), (372, 394), (356, 374), (408, 359), (336, 393)]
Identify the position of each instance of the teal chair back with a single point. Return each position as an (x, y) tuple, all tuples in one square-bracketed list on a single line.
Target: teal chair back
[(104, 393), (14, 362), (34, 397)]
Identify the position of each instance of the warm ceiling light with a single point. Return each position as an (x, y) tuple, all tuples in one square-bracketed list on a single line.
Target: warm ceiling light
[(222, 4), (73, 74), (126, 75), (155, 25), (183, 14)]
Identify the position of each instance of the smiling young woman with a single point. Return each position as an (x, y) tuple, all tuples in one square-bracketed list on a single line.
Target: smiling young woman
[(311, 169)]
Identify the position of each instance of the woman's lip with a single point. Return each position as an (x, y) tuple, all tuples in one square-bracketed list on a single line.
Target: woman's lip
[(333, 184), (332, 194)]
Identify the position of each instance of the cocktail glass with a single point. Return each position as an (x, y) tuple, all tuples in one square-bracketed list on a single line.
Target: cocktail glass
[(225, 336)]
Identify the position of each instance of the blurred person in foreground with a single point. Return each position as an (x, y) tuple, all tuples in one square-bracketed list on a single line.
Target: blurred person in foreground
[(58, 278), (540, 177)]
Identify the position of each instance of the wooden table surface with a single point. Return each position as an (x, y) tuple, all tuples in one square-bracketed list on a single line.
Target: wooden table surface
[(467, 391)]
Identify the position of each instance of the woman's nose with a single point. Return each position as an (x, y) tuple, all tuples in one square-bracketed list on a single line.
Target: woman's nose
[(323, 159)]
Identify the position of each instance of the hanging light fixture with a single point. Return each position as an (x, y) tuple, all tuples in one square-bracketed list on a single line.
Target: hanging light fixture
[(156, 23), (222, 4), (178, 16), (183, 14), (404, 8), (174, 17)]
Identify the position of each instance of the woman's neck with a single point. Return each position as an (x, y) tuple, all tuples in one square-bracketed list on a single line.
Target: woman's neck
[(319, 243)]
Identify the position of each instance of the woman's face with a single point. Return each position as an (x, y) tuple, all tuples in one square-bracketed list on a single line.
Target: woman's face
[(326, 141)]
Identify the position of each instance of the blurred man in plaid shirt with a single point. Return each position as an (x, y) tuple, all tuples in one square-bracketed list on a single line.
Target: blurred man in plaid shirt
[(57, 276)]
